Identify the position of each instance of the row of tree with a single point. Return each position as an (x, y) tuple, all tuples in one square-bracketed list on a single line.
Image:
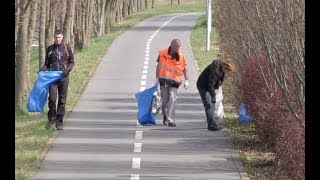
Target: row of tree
[(80, 20)]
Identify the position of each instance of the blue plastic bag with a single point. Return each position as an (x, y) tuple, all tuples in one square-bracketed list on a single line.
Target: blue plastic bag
[(39, 92), (243, 115), (144, 98)]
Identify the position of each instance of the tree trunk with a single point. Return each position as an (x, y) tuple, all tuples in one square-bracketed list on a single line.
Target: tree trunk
[(53, 19), (77, 25), (134, 6), (48, 31), (87, 25), (130, 8), (17, 15), (108, 17), (152, 4), (178, 1), (102, 18), (63, 13), (146, 4), (72, 41), (125, 9), (42, 33), (117, 12), (67, 28), (21, 54), (138, 5), (84, 15), (96, 17), (31, 29)]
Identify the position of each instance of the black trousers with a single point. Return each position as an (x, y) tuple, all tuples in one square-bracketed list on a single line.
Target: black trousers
[(58, 89)]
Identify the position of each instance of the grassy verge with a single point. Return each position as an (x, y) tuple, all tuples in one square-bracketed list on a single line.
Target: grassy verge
[(31, 138), (257, 159)]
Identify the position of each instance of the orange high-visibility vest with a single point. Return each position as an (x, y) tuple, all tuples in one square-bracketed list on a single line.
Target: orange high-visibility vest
[(171, 68)]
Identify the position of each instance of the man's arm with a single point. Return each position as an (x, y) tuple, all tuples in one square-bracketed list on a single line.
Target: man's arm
[(185, 72), (186, 82), (45, 66), (213, 78), (71, 58), (157, 71)]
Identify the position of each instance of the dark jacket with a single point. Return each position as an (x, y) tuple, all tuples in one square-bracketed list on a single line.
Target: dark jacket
[(66, 61), (211, 77)]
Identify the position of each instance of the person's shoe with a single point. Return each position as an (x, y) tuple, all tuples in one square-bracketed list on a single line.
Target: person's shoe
[(172, 124), (49, 124), (165, 120), (59, 126), (215, 129)]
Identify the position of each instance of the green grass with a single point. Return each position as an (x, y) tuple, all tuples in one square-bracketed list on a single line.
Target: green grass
[(31, 138), (257, 159), (198, 42)]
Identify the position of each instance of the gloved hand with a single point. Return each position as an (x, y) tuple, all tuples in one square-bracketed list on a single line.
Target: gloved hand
[(213, 100), (186, 84), (156, 81)]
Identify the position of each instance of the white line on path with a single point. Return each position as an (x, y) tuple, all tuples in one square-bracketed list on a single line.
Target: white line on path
[(138, 135), (136, 163), (137, 147), (134, 177)]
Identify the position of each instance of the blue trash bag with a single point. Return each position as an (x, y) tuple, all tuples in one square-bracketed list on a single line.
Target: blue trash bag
[(39, 92), (244, 118), (144, 98)]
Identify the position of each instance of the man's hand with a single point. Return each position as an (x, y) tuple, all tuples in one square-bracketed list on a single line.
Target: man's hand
[(186, 84), (213, 100), (156, 81), (65, 73)]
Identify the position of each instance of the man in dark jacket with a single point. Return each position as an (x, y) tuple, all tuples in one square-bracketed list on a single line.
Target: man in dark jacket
[(59, 57), (210, 79)]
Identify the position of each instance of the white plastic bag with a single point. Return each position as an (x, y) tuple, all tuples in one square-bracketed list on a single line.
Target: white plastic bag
[(156, 102), (219, 111)]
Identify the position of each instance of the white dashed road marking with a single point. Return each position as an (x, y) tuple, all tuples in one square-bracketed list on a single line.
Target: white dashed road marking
[(138, 135), (134, 177), (137, 147), (136, 163)]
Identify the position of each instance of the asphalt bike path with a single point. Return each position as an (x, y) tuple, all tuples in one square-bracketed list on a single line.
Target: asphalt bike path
[(101, 138)]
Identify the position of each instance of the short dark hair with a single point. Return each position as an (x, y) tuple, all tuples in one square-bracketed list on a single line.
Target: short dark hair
[(58, 31), (175, 41)]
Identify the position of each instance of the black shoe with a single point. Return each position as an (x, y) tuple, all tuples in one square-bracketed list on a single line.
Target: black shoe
[(172, 124), (215, 129), (49, 124), (165, 120), (59, 126)]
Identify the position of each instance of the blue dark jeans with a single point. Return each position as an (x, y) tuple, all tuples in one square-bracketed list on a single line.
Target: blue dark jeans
[(209, 107), (58, 89)]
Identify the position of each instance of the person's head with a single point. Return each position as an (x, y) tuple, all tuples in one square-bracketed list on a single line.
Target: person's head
[(58, 36), (175, 45), (227, 66)]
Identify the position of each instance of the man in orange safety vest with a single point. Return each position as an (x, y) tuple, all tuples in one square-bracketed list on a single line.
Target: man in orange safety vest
[(171, 66)]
